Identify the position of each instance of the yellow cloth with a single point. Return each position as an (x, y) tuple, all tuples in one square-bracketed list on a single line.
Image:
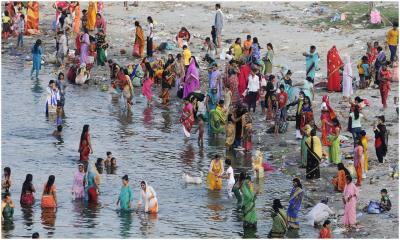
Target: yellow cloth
[(317, 147), (237, 51), (186, 56), (364, 142), (215, 183), (393, 37), (6, 19), (91, 16)]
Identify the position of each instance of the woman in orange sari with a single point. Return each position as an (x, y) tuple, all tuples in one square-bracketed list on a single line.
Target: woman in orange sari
[(77, 18), (85, 146), (334, 64), (32, 24), (49, 197), (139, 39), (91, 16), (339, 181)]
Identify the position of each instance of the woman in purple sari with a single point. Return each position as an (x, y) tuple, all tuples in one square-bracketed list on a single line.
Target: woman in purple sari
[(192, 80), (85, 43), (215, 81)]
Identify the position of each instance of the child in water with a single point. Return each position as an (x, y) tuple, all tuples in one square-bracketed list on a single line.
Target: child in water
[(230, 176), (200, 129), (107, 162)]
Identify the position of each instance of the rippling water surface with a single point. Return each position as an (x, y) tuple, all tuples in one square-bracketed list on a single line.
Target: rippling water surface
[(149, 145)]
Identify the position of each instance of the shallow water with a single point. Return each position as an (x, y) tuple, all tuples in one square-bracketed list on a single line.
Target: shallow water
[(149, 145)]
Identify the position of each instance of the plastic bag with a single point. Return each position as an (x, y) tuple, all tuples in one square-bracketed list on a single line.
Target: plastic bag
[(374, 208)]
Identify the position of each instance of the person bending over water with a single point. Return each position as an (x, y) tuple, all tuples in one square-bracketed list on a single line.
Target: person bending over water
[(148, 195)]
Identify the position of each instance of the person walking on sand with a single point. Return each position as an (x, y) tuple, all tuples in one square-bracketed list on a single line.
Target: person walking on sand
[(218, 23), (312, 59), (393, 40), (350, 196)]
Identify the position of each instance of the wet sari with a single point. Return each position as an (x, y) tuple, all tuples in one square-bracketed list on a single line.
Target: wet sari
[(187, 118), (215, 83), (314, 154), (214, 182), (249, 205), (279, 224), (91, 16), (101, 50), (247, 129), (78, 187), (146, 89), (84, 148), (295, 200), (364, 142), (150, 199), (192, 79), (232, 84), (91, 185), (48, 200), (334, 63), (217, 120), (8, 212), (125, 197), (32, 23)]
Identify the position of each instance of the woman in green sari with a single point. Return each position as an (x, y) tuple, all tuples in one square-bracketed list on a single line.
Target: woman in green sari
[(218, 119), (236, 188), (125, 196), (101, 46), (279, 220), (334, 148), (249, 205)]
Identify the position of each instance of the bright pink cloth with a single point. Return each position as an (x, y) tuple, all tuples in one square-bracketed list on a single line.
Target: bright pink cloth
[(192, 79), (146, 89), (350, 191)]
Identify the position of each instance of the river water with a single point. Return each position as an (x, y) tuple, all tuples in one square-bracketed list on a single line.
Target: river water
[(149, 145)]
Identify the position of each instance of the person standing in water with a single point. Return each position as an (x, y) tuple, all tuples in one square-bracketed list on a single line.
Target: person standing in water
[(37, 52), (149, 196), (126, 196), (6, 182), (85, 146), (215, 172), (49, 197), (7, 208), (27, 197), (79, 182)]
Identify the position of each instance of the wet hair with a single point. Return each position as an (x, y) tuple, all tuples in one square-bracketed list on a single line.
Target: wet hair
[(289, 72), (185, 47), (242, 176), (35, 235), (84, 11), (358, 99), (195, 61), (49, 184), (228, 162), (384, 190), (221, 102), (327, 222), (313, 133), (137, 23), (270, 45), (356, 112), (99, 161), (297, 181), (59, 128), (341, 166), (255, 40), (276, 205), (6, 194), (207, 39), (6, 13), (7, 171), (84, 131), (108, 153), (27, 185), (349, 178), (150, 19), (217, 156)]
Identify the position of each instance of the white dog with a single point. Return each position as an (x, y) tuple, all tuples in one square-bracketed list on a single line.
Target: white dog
[(190, 179)]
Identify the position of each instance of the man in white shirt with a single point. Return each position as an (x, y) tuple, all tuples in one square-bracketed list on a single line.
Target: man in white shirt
[(150, 35), (252, 87), (319, 213)]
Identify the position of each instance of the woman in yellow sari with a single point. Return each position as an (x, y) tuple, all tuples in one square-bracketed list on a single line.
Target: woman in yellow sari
[(214, 178), (32, 24), (91, 16)]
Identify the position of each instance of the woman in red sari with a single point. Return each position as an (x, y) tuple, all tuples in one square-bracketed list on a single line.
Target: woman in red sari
[(327, 116), (187, 117), (334, 64), (385, 78), (85, 147), (243, 78), (32, 24)]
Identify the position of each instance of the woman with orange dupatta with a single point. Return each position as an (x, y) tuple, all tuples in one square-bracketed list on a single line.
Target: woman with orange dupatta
[(85, 146), (334, 64), (339, 181), (32, 24), (77, 18), (91, 16)]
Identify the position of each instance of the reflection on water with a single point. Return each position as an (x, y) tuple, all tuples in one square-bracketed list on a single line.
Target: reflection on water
[(27, 215), (125, 223), (48, 219)]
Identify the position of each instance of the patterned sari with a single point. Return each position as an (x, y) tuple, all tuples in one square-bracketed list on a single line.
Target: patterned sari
[(217, 120), (296, 198), (32, 24), (187, 118), (249, 205)]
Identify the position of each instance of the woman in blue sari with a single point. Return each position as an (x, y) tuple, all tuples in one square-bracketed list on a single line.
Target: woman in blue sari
[(37, 52), (296, 198)]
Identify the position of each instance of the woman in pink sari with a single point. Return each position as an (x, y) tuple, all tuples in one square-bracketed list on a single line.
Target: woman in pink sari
[(187, 117), (101, 22), (85, 43), (78, 185), (148, 82), (350, 196), (243, 78), (192, 79)]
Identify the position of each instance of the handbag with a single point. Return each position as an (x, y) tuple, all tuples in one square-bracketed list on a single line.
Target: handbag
[(136, 50)]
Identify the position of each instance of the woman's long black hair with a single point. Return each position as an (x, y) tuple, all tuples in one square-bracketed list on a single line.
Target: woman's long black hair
[(341, 166), (27, 185), (49, 184), (37, 44), (84, 131), (298, 182), (356, 112)]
